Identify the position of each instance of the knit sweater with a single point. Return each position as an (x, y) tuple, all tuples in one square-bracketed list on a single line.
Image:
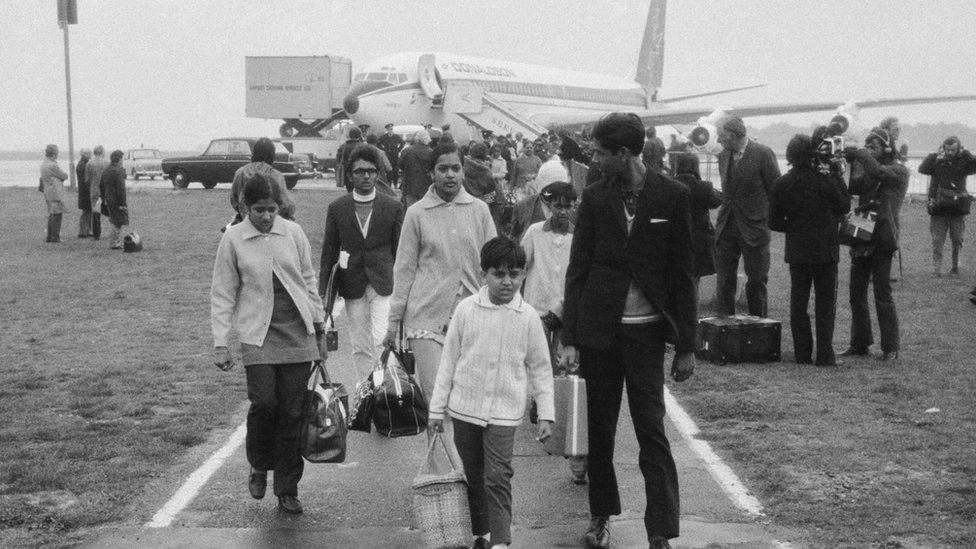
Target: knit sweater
[(493, 356), (547, 255), (439, 251)]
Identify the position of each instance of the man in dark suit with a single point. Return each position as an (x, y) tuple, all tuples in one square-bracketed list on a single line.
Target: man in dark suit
[(629, 287), (391, 144), (748, 170), (807, 204), (362, 230)]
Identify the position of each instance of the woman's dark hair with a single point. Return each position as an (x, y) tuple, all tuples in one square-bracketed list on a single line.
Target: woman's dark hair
[(620, 130), (556, 190), (799, 151), (116, 156), (264, 151), (502, 252), (479, 151), (687, 163), (364, 152), (259, 187), (442, 148)]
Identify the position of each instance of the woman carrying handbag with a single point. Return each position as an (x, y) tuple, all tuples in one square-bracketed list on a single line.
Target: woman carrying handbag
[(265, 289)]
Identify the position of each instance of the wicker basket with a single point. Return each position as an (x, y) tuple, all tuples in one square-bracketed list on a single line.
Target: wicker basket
[(440, 506)]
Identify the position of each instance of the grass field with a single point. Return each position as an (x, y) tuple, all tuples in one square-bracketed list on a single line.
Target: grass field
[(105, 359)]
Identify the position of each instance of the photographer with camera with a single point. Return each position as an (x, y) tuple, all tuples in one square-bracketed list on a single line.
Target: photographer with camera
[(805, 204), (948, 201), (880, 182)]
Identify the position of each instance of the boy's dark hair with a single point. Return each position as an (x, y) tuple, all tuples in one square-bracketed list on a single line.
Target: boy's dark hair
[(556, 190), (264, 151), (502, 252), (799, 151), (116, 156), (442, 148), (620, 130), (364, 152), (258, 187)]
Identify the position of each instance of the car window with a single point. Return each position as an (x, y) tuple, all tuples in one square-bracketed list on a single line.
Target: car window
[(144, 154), (218, 148), (239, 147)]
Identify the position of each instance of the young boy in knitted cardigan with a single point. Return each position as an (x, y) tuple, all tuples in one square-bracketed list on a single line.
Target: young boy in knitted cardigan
[(495, 352)]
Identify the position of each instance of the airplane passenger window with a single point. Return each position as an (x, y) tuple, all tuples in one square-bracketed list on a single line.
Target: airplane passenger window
[(376, 76)]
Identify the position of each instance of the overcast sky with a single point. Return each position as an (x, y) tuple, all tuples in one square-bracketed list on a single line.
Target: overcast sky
[(170, 74)]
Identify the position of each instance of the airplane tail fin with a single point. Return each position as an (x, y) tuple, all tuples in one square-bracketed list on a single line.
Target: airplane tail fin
[(650, 63)]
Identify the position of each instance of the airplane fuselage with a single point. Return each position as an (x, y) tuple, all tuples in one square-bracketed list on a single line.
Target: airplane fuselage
[(393, 89)]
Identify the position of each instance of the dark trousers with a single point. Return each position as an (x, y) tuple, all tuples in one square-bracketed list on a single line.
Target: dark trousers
[(96, 225), (486, 453), (54, 227), (84, 223), (274, 422), (823, 278), (637, 358), (728, 247), (873, 269)]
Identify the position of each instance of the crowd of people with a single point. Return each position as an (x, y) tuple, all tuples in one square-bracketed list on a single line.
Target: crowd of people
[(506, 261)]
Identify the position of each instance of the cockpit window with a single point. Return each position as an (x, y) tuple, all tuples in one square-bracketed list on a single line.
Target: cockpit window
[(376, 76)]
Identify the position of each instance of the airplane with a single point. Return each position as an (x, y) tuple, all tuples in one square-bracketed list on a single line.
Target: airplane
[(472, 94)]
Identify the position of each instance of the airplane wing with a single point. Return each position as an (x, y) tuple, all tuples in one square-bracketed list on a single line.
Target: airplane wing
[(668, 115)]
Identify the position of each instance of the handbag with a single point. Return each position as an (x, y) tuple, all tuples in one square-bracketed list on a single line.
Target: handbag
[(857, 228), (440, 501), (949, 202), (400, 409), (361, 416), (324, 423)]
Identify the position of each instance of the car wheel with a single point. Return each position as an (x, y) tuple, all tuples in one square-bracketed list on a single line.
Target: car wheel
[(291, 182), (134, 176), (209, 184), (180, 181)]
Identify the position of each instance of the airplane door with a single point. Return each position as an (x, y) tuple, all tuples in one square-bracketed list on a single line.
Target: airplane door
[(427, 68)]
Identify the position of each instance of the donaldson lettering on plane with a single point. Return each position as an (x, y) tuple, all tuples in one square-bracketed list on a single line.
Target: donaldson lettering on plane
[(478, 69)]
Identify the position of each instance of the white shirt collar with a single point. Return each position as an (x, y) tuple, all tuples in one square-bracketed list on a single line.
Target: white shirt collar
[(364, 197)]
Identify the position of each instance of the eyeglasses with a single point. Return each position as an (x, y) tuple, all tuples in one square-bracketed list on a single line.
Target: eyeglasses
[(362, 172)]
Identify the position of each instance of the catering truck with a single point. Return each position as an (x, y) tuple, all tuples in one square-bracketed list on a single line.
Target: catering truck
[(306, 92)]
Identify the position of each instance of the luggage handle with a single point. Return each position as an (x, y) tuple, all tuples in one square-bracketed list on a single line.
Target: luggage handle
[(430, 450), (318, 367)]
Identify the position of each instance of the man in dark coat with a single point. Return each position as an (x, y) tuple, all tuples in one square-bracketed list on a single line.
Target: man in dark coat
[(629, 288), (704, 197), (84, 200), (654, 151), (880, 182), (414, 171), (115, 205), (748, 170), (948, 169), (807, 205), (391, 144), (362, 230)]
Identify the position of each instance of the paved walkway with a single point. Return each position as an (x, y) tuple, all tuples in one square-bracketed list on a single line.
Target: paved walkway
[(366, 501)]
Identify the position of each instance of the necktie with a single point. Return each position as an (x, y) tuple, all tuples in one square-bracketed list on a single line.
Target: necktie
[(731, 170)]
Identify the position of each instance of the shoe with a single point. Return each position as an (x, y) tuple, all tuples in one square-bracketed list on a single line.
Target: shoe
[(954, 271), (290, 504), (888, 356), (579, 477), (659, 542), (479, 543), (598, 534), (855, 351), (257, 484)]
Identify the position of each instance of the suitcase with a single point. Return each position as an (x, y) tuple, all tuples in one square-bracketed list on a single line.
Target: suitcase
[(569, 431), (738, 338)]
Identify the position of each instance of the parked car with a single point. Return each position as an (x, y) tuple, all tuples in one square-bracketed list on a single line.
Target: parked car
[(143, 163), (220, 160)]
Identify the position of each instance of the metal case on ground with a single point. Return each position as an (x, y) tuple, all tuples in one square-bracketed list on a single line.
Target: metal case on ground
[(738, 338)]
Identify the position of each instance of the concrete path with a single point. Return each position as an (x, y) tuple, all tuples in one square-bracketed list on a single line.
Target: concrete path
[(366, 501)]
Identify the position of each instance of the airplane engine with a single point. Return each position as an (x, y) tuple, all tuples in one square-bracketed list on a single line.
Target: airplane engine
[(704, 136)]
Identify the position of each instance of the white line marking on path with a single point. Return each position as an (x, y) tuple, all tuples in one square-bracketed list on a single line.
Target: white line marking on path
[(195, 481), (722, 473), (164, 517)]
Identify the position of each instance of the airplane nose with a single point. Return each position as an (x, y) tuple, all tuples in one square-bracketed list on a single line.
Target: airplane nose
[(350, 104)]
